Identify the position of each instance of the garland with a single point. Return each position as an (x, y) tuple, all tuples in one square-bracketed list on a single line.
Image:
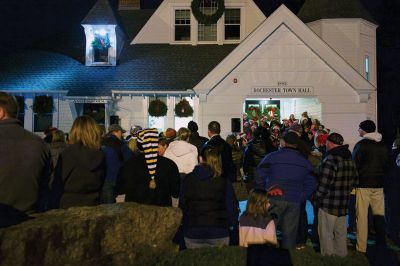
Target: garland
[(207, 19), (101, 43), (272, 113), (183, 109), (253, 113), (43, 105), (157, 108)]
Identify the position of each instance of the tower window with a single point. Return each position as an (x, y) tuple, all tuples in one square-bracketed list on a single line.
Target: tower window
[(366, 67)]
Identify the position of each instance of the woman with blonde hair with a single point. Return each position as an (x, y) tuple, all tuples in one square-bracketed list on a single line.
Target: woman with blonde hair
[(79, 174), (208, 203)]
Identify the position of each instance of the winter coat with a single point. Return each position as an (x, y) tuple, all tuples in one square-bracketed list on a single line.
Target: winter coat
[(197, 140), (24, 168), (183, 154), (253, 154), (78, 177), (207, 203), (337, 177), (228, 167), (134, 181), (288, 170), (371, 158)]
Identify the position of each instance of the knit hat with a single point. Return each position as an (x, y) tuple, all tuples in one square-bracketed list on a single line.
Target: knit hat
[(296, 128), (192, 126), (336, 138), (148, 140), (368, 126)]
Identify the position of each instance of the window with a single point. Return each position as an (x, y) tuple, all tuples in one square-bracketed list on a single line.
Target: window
[(232, 24), (21, 109), (42, 121), (157, 122), (101, 44), (182, 25), (96, 111), (208, 32), (183, 121), (366, 66)]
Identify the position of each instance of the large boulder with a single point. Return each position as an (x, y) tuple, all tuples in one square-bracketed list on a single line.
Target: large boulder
[(112, 234)]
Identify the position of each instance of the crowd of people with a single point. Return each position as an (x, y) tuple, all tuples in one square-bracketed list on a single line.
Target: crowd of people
[(283, 164)]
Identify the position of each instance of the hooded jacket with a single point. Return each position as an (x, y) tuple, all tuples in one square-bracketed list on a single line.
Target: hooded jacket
[(183, 154), (371, 158)]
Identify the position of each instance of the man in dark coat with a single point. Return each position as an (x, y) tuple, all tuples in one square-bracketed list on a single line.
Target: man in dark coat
[(24, 162), (114, 150), (195, 139), (228, 167)]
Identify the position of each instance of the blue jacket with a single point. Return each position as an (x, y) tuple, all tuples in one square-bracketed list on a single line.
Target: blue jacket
[(289, 170)]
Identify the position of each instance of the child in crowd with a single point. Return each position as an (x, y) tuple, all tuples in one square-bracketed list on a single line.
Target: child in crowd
[(256, 226)]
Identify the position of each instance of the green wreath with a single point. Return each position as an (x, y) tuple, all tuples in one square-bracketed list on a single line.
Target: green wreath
[(43, 105), (101, 43), (183, 109), (157, 108), (253, 113), (275, 113), (207, 19)]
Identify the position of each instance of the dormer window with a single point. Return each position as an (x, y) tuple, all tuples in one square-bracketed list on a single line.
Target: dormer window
[(182, 25), (100, 45), (232, 24)]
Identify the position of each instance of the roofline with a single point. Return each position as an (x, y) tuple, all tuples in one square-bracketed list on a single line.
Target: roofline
[(34, 91), (344, 19), (189, 92)]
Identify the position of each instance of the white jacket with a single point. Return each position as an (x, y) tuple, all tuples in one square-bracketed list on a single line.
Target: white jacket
[(183, 154)]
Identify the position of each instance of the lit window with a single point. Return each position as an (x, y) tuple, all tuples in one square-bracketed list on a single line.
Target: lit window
[(366, 66), (182, 25), (232, 24), (157, 122)]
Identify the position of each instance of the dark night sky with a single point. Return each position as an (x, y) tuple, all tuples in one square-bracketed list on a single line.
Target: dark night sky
[(30, 21)]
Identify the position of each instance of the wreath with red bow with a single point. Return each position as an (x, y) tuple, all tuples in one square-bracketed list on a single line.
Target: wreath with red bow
[(272, 113)]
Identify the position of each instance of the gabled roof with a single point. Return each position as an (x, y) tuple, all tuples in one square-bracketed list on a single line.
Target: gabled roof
[(100, 14), (313, 10), (150, 67), (283, 16)]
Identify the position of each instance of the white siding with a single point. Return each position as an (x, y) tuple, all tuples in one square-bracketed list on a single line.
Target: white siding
[(65, 117), (284, 57)]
